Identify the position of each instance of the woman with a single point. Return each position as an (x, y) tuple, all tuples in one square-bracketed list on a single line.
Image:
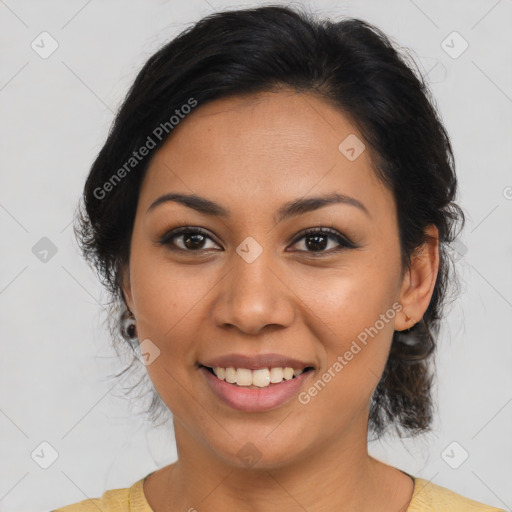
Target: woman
[(271, 213)]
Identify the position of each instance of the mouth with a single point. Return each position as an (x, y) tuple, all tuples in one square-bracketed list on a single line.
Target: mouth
[(256, 382), (256, 378)]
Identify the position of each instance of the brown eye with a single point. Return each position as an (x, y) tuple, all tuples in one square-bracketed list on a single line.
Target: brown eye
[(317, 241), (191, 239), (187, 239)]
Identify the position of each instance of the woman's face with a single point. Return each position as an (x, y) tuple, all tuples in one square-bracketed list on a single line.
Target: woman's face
[(253, 284)]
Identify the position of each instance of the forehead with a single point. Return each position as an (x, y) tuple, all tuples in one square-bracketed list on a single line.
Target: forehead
[(265, 149)]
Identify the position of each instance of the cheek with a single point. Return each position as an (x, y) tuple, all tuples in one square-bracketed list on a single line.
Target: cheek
[(154, 286), (353, 299), (168, 301), (359, 310), (354, 361)]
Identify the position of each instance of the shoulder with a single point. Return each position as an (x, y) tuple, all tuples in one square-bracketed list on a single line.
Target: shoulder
[(428, 496), (130, 499)]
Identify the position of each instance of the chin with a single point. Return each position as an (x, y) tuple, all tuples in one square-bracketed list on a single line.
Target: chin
[(257, 452)]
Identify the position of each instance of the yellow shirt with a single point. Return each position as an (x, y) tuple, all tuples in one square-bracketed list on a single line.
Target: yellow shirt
[(427, 497)]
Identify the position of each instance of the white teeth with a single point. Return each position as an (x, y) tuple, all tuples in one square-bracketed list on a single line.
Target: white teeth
[(230, 374), (276, 375), (261, 377), (243, 377), (288, 373)]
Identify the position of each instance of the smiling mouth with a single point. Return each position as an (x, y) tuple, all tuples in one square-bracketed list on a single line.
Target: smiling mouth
[(256, 379)]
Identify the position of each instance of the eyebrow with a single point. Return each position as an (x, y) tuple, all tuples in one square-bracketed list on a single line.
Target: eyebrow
[(289, 209)]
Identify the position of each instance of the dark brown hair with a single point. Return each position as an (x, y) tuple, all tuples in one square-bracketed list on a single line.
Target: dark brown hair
[(352, 65)]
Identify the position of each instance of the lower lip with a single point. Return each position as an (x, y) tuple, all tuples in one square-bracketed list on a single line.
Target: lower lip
[(255, 400)]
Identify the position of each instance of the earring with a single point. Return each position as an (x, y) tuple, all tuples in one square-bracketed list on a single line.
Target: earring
[(409, 319), (129, 326)]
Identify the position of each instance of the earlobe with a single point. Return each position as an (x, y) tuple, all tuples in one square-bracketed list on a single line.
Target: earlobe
[(419, 281)]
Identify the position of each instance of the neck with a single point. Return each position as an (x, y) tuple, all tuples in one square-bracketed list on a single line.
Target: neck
[(339, 475)]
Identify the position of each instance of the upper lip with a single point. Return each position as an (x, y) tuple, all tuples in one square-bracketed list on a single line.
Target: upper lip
[(256, 361)]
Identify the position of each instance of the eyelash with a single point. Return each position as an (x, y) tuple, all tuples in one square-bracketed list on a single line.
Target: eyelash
[(344, 243)]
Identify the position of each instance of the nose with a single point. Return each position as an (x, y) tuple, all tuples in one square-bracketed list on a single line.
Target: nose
[(253, 296)]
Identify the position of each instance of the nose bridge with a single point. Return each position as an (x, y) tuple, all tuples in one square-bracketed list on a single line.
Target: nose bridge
[(251, 267), (252, 295)]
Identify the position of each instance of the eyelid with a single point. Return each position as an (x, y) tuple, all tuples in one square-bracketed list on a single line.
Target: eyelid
[(169, 234), (343, 241)]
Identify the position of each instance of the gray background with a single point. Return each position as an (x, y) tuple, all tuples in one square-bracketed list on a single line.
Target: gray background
[(56, 112)]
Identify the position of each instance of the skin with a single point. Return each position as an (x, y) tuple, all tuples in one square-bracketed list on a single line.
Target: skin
[(251, 155)]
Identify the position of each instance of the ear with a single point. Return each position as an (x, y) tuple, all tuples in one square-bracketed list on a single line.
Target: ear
[(419, 281), (126, 287)]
